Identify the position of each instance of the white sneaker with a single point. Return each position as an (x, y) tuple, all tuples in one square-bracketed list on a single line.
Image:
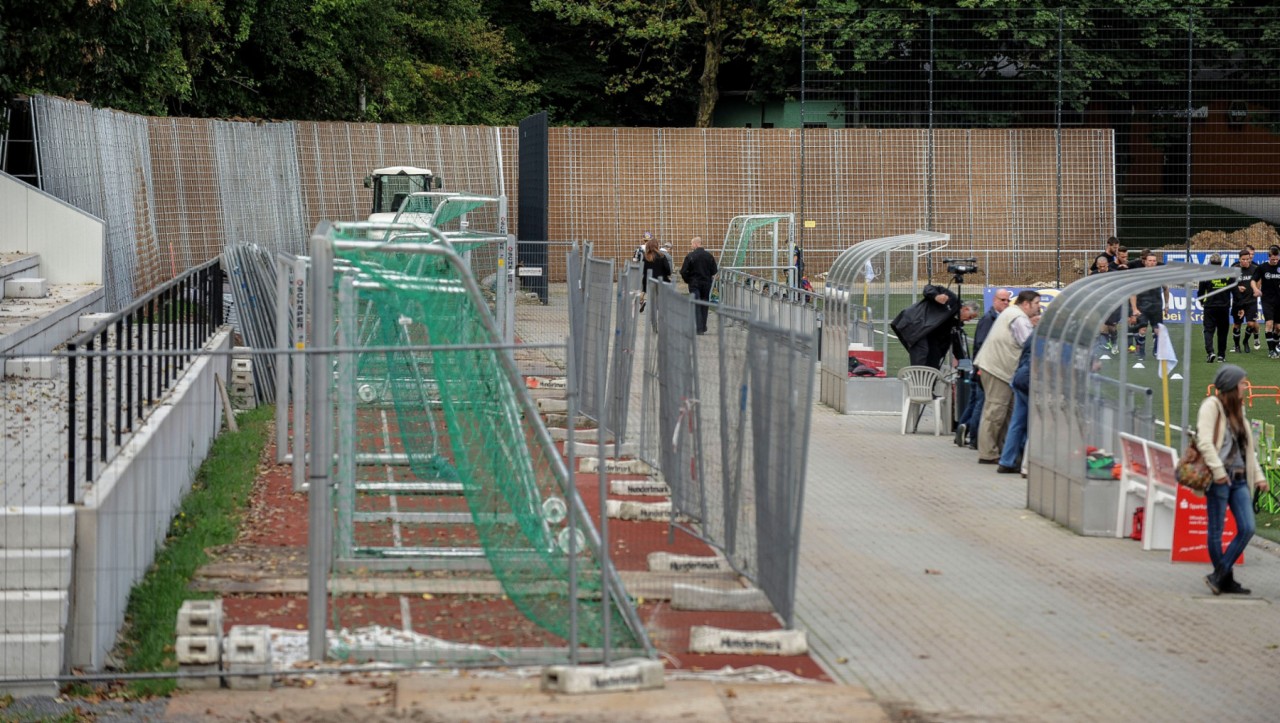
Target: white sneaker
[(1257, 345)]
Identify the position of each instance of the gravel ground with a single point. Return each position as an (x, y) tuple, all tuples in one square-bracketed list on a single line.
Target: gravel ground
[(44, 708)]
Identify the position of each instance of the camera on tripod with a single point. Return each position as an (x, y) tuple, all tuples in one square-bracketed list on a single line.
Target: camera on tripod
[(960, 267)]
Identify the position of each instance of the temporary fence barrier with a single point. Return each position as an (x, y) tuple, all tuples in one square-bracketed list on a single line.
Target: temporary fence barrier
[(460, 412)]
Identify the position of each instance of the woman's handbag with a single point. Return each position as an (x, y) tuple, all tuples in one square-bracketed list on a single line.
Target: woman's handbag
[(1191, 470)]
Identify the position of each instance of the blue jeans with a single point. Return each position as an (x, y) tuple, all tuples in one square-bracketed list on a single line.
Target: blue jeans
[(973, 410), (1016, 438), (1218, 498)]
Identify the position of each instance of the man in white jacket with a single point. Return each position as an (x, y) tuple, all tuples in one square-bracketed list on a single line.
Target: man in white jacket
[(998, 360)]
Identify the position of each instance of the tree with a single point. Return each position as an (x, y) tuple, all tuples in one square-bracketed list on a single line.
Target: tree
[(671, 49)]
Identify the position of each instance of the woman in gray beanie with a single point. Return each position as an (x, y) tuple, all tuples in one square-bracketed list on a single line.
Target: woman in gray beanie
[(1226, 443)]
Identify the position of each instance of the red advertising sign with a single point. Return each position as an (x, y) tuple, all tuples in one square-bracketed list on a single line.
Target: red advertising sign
[(1191, 529)]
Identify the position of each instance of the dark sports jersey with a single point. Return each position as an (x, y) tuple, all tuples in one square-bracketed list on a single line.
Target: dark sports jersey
[(1268, 278), (1242, 295), (1151, 299), (1216, 301)]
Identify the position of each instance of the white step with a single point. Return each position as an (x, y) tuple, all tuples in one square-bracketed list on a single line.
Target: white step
[(25, 569), (37, 527), (33, 655), (26, 288), (33, 611)]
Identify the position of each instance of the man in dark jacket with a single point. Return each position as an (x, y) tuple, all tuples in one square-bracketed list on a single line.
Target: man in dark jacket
[(1216, 295), (927, 328), (967, 425), (698, 271)]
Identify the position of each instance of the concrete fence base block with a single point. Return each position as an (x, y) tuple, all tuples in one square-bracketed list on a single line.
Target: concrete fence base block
[(639, 511), (199, 677), (626, 675), (33, 367), (561, 434), (249, 677), (697, 597), (588, 448), (587, 465), (718, 641), (198, 649), (667, 562), (200, 617), (561, 419), (535, 382), (638, 488), (553, 405)]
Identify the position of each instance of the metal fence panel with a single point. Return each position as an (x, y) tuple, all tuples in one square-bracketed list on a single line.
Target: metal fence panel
[(781, 405), (624, 352), (598, 303), (679, 400)]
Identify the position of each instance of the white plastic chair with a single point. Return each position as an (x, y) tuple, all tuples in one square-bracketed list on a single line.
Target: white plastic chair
[(919, 383)]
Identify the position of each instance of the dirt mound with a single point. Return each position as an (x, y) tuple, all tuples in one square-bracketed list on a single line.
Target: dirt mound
[(1261, 235)]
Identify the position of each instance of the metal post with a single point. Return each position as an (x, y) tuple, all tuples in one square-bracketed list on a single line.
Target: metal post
[(71, 423), (1186, 355), (298, 388), (320, 510), (571, 403), (1058, 113), (1187, 167), (602, 406), (282, 371), (346, 463)]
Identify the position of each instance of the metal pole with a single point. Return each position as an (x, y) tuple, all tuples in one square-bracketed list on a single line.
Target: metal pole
[(282, 359), (602, 413), (571, 407), (1187, 165), (298, 388), (1186, 354), (804, 24), (346, 463), (1058, 113), (320, 519)]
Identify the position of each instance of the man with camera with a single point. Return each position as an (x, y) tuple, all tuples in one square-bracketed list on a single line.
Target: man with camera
[(934, 325)]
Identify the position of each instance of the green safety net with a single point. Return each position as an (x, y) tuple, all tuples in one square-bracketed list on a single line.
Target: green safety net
[(459, 417)]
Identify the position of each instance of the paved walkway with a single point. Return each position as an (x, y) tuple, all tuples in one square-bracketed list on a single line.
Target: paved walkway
[(924, 578)]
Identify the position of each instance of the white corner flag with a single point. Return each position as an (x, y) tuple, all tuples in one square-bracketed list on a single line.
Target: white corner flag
[(869, 272), (1164, 351)]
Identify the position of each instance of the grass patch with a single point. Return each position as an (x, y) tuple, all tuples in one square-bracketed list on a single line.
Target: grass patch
[(209, 516)]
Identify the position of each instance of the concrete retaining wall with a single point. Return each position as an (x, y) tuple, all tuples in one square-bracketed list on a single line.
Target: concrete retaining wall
[(124, 517)]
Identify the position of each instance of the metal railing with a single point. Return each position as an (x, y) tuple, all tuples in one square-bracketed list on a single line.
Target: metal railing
[(131, 360)]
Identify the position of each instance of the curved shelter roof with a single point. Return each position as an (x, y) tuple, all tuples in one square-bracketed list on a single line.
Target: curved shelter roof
[(1063, 364)]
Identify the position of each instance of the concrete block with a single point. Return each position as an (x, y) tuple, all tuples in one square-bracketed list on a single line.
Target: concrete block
[(198, 649), (546, 382), (28, 288), (199, 677), (32, 367), (553, 405), (639, 511), (26, 569), (241, 378), (667, 562), (639, 488), (626, 675), (200, 617), (719, 641), (243, 676), (33, 611), (88, 321), (248, 645), (588, 448), (587, 465), (698, 597), (30, 655), (247, 657), (37, 527), (239, 364)]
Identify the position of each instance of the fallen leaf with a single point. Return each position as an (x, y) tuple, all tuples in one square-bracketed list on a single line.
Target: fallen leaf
[(931, 571)]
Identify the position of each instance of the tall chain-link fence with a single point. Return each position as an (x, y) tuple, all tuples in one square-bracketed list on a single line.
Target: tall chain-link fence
[(1064, 125)]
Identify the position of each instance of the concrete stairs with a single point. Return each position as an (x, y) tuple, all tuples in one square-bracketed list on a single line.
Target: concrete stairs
[(36, 317), (36, 546)]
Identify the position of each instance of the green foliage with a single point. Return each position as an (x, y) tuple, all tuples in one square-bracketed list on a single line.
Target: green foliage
[(209, 516)]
